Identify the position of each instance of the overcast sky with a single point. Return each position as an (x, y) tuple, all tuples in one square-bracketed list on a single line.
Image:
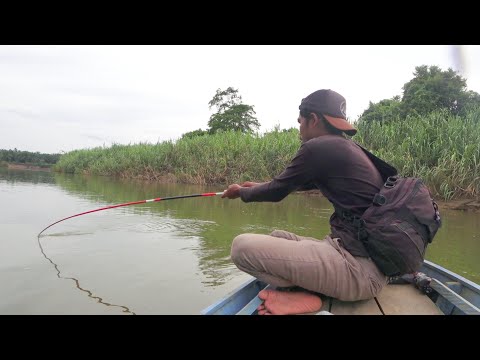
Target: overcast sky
[(61, 98)]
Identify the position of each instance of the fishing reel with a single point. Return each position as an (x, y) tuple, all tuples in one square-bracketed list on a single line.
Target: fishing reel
[(419, 279), (422, 282)]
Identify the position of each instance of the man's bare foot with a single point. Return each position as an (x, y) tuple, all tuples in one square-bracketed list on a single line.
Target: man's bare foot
[(288, 303)]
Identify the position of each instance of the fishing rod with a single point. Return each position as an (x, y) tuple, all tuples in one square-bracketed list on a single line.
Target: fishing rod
[(135, 203)]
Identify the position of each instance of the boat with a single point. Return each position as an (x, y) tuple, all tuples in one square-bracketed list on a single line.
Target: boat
[(433, 290)]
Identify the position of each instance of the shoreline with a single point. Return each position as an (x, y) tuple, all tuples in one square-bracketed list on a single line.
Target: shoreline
[(27, 167), (472, 205)]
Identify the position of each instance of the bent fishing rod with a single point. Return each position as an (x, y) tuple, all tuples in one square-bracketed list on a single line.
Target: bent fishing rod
[(134, 203)]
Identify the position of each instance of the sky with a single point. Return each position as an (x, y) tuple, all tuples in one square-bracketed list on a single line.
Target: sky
[(55, 99)]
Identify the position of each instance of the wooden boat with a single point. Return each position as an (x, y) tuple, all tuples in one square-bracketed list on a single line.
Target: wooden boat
[(434, 290)]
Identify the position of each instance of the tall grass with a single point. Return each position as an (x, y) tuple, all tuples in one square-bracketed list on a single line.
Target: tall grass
[(442, 149), (211, 159)]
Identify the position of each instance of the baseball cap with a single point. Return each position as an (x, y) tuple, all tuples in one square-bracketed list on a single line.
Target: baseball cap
[(332, 106)]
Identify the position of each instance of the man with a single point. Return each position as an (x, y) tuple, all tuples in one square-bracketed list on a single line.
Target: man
[(337, 266)]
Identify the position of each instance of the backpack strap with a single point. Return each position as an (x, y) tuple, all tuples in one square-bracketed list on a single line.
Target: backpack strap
[(356, 221), (386, 170)]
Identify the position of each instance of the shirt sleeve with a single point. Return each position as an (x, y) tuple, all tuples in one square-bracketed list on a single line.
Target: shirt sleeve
[(294, 177)]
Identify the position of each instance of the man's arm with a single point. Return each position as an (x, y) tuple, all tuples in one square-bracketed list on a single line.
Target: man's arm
[(250, 184), (296, 175)]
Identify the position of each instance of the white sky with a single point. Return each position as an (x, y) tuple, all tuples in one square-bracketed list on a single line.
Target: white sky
[(61, 98)]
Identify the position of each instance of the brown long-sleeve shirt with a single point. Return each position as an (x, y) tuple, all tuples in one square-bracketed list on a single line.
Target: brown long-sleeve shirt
[(339, 169)]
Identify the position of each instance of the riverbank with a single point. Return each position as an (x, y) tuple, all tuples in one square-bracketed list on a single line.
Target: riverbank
[(472, 205), (28, 167), (464, 204)]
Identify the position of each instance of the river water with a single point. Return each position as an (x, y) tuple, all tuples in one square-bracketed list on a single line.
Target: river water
[(168, 257)]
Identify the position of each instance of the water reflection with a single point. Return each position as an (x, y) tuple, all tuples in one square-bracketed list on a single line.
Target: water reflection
[(213, 221), (457, 246), (13, 176), (153, 258)]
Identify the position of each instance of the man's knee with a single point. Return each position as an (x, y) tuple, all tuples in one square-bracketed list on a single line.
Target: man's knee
[(277, 233), (284, 235), (241, 247)]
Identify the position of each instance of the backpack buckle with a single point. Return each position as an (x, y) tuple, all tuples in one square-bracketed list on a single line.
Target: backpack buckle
[(347, 215), (437, 213), (362, 235), (390, 183), (379, 199), (358, 222)]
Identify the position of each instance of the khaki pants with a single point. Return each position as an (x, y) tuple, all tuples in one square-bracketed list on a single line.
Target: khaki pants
[(284, 259)]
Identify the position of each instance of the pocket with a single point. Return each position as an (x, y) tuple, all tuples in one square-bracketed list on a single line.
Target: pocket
[(396, 248), (412, 235)]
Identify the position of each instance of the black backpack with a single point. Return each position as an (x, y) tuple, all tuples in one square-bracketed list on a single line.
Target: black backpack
[(402, 220)]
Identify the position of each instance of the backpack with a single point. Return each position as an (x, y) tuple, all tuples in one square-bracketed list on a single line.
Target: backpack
[(402, 220)]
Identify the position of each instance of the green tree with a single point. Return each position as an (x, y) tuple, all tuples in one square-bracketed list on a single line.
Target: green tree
[(432, 89), (384, 110), (194, 133), (231, 113), (24, 157)]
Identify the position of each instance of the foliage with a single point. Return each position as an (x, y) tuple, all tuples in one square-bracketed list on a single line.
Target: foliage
[(26, 157), (441, 148), (384, 110), (431, 89), (231, 113), (194, 133), (214, 159)]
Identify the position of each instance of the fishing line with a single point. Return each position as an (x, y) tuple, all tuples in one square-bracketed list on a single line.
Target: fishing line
[(77, 283), (133, 203)]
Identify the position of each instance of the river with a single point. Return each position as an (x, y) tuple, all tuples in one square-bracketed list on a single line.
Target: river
[(168, 257)]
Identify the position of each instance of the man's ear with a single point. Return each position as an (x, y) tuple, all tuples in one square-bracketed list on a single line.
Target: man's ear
[(315, 120)]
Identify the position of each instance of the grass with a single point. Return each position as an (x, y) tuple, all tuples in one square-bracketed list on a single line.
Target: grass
[(442, 149)]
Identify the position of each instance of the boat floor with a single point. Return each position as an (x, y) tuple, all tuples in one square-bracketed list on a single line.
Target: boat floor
[(401, 299), (449, 294)]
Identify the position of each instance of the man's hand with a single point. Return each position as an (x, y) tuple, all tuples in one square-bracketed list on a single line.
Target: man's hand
[(232, 192)]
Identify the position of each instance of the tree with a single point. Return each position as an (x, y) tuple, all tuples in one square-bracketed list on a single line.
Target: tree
[(194, 133), (384, 110), (432, 89), (231, 113), (24, 157)]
